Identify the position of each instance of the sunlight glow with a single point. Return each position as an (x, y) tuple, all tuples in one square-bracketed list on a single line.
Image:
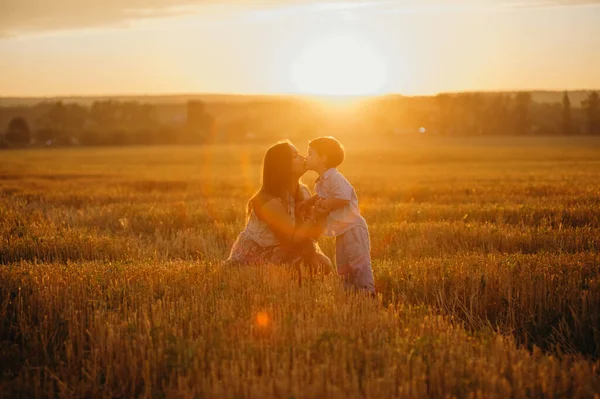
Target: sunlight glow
[(339, 64), (263, 319)]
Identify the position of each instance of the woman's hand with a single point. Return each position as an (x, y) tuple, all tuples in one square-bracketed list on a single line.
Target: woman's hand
[(303, 209), (321, 207)]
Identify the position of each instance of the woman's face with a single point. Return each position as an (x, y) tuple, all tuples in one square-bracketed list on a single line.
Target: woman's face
[(298, 162)]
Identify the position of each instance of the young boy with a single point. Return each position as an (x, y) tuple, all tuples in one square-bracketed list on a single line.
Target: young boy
[(336, 199)]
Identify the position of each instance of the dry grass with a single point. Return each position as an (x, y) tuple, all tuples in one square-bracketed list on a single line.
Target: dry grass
[(483, 250)]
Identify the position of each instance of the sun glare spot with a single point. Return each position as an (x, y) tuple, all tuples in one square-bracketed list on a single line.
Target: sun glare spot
[(263, 319), (339, 65)]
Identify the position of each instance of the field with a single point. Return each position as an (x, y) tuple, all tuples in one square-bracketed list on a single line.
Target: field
[(486, 255)]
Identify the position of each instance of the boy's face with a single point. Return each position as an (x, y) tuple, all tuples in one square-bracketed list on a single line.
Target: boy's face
[(314, 160)]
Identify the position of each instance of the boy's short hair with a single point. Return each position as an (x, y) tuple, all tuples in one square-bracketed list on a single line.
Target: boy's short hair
[(329, 147)]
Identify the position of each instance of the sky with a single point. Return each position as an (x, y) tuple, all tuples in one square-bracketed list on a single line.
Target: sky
[(413, 47)]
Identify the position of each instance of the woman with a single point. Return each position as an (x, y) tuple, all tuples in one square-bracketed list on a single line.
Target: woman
[(274, 232)]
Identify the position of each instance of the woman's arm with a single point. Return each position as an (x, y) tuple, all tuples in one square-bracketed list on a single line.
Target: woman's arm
[(307, 228), (303, 193), (274, 214), (306, 231), (303, 203)]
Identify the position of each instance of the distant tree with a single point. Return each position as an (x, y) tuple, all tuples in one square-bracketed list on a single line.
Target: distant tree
[(567, 121), (134, 116), (469, 111), (76, 119), (105, 115), (521, 117), (63, 120), (462, 113), (496, 115), (547, 118), (444, 121), (199, 122), (18, 131), (591, 106), (56, 117), (478, 108)]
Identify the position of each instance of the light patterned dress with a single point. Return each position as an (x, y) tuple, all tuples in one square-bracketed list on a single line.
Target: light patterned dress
[(257, 244)]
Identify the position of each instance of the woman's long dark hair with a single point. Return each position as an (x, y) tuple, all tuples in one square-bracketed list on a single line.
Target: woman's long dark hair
[(277, 176)]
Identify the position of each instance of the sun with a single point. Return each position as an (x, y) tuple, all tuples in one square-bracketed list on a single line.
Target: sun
[(339, 65)]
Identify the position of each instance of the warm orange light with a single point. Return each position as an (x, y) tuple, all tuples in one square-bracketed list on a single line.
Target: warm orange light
[(262, 319), (340, 64), (338, 104)]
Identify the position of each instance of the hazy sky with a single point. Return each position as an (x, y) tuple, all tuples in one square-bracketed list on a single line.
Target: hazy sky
[(61, 47)]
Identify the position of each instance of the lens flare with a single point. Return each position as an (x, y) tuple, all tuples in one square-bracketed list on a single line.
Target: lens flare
[(263, 319)]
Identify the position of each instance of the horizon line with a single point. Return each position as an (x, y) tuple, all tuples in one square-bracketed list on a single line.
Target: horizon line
[(284, 94)]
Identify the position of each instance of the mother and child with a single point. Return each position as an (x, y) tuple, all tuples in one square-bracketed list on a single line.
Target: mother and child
[(284, 221)]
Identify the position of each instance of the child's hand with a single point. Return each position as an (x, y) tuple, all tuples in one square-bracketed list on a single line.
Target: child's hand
[(302, 209), (320, 207), (318, 218), (320, 210)]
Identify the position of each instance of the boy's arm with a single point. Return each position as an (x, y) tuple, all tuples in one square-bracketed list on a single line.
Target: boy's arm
[(312, 200), (340, 194), (331, 204)]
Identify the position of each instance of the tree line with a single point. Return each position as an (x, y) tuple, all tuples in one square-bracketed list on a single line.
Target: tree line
[(102, 123), (195, 122)]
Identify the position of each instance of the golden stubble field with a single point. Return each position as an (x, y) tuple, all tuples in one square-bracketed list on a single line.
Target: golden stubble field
[(485, 254)]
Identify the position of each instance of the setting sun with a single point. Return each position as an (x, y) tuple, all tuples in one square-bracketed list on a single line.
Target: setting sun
[(339, 64)]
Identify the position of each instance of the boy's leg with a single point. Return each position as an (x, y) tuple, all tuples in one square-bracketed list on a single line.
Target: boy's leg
[(357, 249), (342, 263)]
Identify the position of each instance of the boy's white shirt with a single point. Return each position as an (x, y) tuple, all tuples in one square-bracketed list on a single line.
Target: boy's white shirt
[(332, 184)]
